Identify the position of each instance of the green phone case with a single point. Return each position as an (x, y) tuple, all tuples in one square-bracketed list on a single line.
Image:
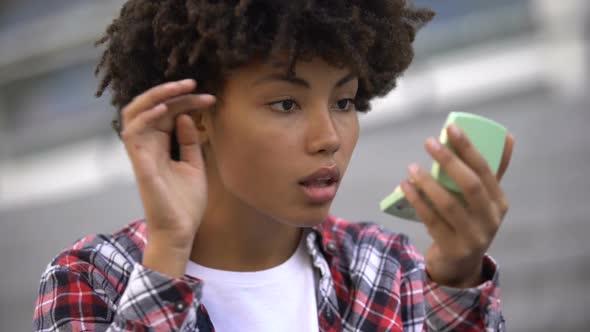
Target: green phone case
[(486, 135)]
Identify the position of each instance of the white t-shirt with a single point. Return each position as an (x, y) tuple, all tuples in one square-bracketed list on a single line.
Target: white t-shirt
[(281, 298)]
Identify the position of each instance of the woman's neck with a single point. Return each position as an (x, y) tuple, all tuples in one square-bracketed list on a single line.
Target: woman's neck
[(235, 237)]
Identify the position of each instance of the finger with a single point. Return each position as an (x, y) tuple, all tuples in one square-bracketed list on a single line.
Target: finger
[(506, 156), (155, 96), (189, 102), (144, 120), (438, 229), (174, 107), (470, 170), (181, 105), (188, 141), (448, 206), (475, 195), (162, 117)]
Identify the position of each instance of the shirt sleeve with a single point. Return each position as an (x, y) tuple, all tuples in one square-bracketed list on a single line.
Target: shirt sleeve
[(469, 309), (68, 302)]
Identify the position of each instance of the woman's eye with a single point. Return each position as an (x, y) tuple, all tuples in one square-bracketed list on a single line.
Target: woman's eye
[(345, 105), (290, 105), (284, 106)]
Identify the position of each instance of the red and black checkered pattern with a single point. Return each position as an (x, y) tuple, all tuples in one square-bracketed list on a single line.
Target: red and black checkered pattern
[(369, 280)]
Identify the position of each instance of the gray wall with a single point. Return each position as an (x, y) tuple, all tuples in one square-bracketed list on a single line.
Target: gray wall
[(541, 248)]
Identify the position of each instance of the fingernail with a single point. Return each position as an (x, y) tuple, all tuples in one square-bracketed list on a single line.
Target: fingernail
[(455, 130), (187, 82), (433, 144), (208, 97), (414, 169), (406, 185), (171, 85)]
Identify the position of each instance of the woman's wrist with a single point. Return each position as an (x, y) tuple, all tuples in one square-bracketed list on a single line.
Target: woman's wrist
[(469, 280), (166, 256)]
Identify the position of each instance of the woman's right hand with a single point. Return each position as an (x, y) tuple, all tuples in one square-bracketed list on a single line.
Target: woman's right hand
[(173, 193)]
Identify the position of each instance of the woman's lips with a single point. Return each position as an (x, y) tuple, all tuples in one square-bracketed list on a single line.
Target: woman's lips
[(320, 186), (331, 173), (320, 192)]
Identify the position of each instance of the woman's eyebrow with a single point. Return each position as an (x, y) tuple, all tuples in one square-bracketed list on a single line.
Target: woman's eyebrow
[(299, 81), (347, 78), (283, 78)]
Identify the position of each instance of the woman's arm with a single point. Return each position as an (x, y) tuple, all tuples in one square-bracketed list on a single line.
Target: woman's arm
[(69, 301)]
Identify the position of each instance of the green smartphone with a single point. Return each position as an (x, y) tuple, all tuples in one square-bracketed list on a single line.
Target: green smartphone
[(488, 137)]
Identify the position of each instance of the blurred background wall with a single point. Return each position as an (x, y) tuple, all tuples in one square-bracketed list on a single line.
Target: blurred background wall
[(525, 63)]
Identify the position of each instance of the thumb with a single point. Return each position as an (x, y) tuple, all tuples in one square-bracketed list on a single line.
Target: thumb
[(188, 141)]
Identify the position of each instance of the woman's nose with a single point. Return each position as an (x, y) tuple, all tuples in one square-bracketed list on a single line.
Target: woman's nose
[(322, 133)]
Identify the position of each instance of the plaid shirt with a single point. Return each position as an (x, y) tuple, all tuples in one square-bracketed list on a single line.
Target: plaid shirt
[(369, 280)]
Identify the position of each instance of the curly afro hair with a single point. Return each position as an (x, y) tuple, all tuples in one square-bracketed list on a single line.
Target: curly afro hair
[(154, 41)]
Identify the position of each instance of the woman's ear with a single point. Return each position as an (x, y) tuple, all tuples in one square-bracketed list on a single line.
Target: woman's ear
[(203, 123)]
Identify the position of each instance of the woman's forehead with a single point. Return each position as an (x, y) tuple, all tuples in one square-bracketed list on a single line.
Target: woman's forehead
[(305, 67)]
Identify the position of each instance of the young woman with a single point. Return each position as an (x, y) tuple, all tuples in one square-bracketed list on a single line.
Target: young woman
[(240, 118)]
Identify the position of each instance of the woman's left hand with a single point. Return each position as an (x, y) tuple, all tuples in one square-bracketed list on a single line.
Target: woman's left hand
[(462, 231)]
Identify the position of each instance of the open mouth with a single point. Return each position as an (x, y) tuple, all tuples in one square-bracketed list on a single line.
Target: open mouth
[(319, 183), (320, 187), (324, 176)]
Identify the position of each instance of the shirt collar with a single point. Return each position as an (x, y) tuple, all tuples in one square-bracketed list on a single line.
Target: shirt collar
[(321, 245)]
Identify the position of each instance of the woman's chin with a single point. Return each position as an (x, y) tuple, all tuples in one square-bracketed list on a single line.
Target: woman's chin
[(311, 218)]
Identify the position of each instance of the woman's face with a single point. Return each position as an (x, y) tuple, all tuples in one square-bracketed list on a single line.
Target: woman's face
[(269, 134)]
